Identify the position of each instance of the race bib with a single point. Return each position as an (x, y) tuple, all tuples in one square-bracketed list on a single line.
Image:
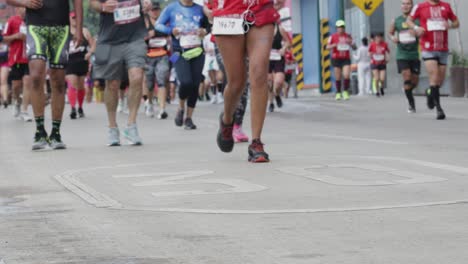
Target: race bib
[(405, 37), (190, 41), (436, 25), (275, 55), (228, 26), (157, 42), (379, 57), (127, 12), (343, 47), (23, 29)]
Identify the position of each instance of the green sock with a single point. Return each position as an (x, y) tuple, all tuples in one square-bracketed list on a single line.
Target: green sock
[(56, 126), (40, 123)]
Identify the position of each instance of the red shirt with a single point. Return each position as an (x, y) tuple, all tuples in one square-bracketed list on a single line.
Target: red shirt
[(237, 7), (17, 54), (343, 49), (433, 18), (378, 53)]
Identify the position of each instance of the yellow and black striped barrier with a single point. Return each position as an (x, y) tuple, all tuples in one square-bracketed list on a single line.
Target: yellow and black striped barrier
[(299, 57), (326, 57)]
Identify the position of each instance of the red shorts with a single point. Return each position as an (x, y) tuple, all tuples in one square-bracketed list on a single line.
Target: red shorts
[(264, 12)]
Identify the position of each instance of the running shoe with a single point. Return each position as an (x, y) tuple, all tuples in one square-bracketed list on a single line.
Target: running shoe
[(149, 110), (25, 117), (131, 134), (338, 96), (239, 135), (346, 95), (220, 98), (225, 139), (113, 137), (207, 96), (55, 141), (73, 113), (279, 102), (271, 108), (16, 110), (440, 114), (382, 91), (40, 140), (120, 106), (162, 115), (214, 99), (430, 99), (256, 152), (81, 113), (179, 120), (189, 125), (411, 110)]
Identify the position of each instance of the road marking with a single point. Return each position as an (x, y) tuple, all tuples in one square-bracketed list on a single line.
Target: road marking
[(315, 172), (371, 140), (297, 211), (182, 178)]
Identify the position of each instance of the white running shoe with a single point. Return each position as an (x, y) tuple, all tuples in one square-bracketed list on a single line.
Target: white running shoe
[(16, 110), (149, 109), (120, 106), (214, 99), (220, 98), (113, 139), (25, 117), (132, 136)]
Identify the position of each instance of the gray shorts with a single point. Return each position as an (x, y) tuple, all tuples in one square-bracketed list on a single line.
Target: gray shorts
[(112, 61), (440, 56), (157, 71)]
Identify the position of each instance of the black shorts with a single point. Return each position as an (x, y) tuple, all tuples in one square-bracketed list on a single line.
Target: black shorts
[(277, 66), (379, 67), (288, 77), (79, 68), (413, 65), (340, 63), (18, 71)]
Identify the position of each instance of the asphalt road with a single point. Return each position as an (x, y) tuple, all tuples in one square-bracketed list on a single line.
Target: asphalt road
[(358, 182)]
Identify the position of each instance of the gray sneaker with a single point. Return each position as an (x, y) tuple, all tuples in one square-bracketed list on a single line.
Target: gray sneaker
[(16, 110), (113, 137), (56, 143), (131, 134), (25, 117), (41, 141)]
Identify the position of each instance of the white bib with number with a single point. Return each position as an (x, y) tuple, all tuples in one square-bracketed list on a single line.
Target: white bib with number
[(190, 41), (436, 25), (275, 55), (228, 26), (405, 37), (379, 57), (127, 12), (157, 42), (343, 47), (23, 29)]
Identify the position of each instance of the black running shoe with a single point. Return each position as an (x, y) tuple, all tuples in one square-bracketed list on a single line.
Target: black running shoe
[(279, 102), (73, 113), (189, 125), (224, 139), (440, 114), (430, 99), (179, 120), (256, 152), (271, 108), (382, 91), (81, 113), (377, 94)]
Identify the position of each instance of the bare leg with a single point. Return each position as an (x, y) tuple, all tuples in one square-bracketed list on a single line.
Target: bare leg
[(111, 97), (135, 76), (259, 41), (37, 70)]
